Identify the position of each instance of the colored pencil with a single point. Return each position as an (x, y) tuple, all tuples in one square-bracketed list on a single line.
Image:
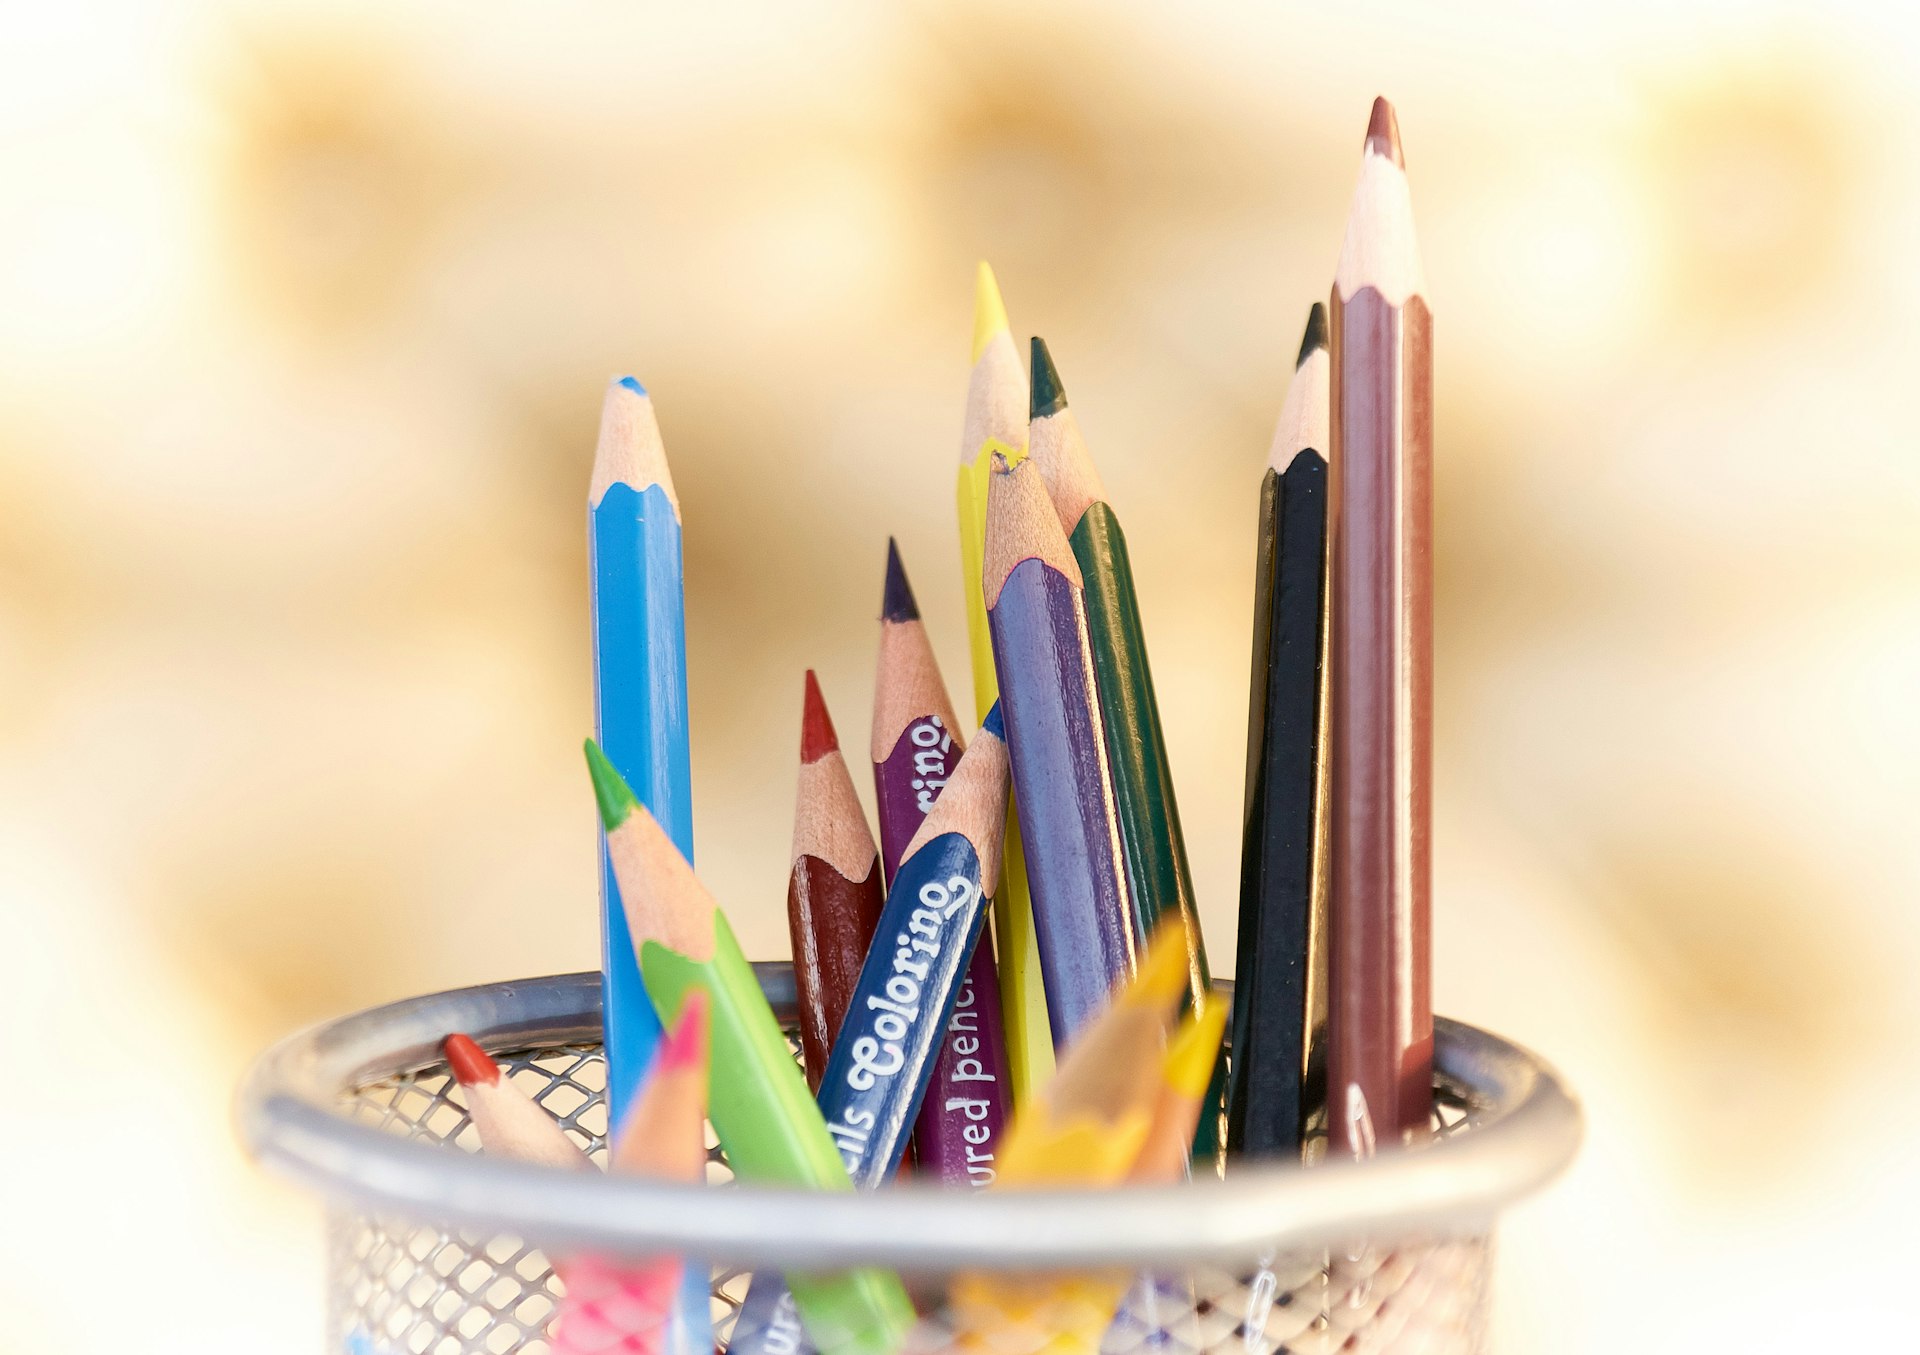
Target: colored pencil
[(1380, 1020), (1186, 1075), (757, 1099), (907, 990), (996, 422), (834, 892), (915, 747), (508, 1121), (1063, 783), (1280, 985), (1153, 848), (1087, 1127), (626, 1305), (639, 686), (935, 914)]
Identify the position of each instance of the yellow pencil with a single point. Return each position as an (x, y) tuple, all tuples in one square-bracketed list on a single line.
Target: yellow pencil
[(997, 422), (1089, 1126)]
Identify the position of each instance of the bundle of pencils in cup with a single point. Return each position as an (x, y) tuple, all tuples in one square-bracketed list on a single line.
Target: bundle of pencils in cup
[(1081, 1045)]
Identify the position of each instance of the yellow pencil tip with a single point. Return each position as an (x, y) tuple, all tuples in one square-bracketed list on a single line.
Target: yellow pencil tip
[(1162, 975), (989, 311), (1194, 1049)]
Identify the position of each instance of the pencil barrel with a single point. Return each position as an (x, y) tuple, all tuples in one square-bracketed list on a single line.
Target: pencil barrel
[(1380, 1033)]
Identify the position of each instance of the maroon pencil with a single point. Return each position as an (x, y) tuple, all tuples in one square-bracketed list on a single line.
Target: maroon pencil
[(834, 893), (1380, 1017), (916, 745)]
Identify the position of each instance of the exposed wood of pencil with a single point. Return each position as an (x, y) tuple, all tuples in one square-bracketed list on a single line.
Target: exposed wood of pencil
[(997, 388), (1186, 1073), (1380, 1022), (664, 1134), (974, 806), (508, 1121), (629, 451), (666, 903), (834, 892), (1082, 911), (907, 685)]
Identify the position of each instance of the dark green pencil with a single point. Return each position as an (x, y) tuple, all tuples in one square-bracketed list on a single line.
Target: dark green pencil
[(1152, 848)]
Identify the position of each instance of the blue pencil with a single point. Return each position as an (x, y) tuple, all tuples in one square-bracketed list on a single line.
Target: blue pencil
[(1063, 783), (640, 722), (883, 1058)]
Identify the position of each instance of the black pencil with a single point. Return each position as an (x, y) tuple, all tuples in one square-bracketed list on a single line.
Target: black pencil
[(1280, 991)]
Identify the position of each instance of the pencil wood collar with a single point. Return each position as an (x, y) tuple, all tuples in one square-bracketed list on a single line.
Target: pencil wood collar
[(828, 822), (915, 692), (1305, 417), (1381, 250), (1073, 483), (630, 451), (670, 905), (1022, 525)]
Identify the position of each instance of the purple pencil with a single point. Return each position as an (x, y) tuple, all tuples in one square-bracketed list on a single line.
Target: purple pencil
[(916, 745), (1063, 784)]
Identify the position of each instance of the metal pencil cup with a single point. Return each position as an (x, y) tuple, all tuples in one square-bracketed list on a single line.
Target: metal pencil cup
[(435, 1250)]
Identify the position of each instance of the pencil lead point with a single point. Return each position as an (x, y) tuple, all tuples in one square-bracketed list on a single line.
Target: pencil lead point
[(470, 1063), (685, 1044), (1162, 974), (817, 737), (995, 723), (1383, 133), (989, 311), (1316, 336), (610, 790), (897, 602), (1048, 395), (633, 384)]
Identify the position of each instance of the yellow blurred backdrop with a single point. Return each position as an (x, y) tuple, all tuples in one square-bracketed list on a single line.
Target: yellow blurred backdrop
[(305, 312)]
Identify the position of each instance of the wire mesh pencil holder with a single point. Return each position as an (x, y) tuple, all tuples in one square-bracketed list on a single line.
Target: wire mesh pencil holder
[(438, 1251)]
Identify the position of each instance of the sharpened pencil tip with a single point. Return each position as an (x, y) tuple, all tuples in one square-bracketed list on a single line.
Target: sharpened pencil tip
[(470, 1064), (896, 601), (1315, 338), (995, 723), (1162, 975), (1194, 1049), (1048, 395), (633, 384), (610, 790), (989, 311), (817, 738), (1383, 133)]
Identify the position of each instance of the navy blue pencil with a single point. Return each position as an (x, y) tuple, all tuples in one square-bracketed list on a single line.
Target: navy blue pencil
[(884, 1055), (1063, 782)]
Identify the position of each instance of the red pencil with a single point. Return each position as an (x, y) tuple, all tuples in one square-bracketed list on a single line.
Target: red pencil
[(835, 893)]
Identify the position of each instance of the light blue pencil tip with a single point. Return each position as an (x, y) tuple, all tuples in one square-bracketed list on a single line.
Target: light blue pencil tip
[(633, 384)]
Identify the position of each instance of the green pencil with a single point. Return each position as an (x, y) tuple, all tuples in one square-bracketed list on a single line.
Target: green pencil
[(757, 1099), (1152, 847)]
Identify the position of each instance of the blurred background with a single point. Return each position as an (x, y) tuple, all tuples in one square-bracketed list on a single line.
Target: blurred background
[(305, 314)]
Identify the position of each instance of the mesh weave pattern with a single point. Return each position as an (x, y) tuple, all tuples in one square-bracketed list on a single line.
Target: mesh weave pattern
[(398, 1287)]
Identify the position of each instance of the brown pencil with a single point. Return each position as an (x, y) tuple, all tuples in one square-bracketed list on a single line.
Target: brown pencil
[(834, 894), (1380, 1020)]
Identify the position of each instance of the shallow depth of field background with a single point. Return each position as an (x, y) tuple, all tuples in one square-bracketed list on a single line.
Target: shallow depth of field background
[(305, 312)]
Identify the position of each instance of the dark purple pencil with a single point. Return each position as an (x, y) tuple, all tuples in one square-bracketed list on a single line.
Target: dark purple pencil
[(916, 746), (1063, 784)]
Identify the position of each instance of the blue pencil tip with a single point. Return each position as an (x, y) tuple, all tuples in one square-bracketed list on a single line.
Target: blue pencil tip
[(633, 385), (994, 724)]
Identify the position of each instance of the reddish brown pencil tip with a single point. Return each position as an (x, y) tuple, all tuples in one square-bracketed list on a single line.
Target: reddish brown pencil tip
[(817, 738), (1383, 133), (470, 1062)]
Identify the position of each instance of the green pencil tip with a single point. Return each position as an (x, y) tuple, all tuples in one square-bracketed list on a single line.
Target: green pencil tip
[(1048, 395), (616, 798)]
